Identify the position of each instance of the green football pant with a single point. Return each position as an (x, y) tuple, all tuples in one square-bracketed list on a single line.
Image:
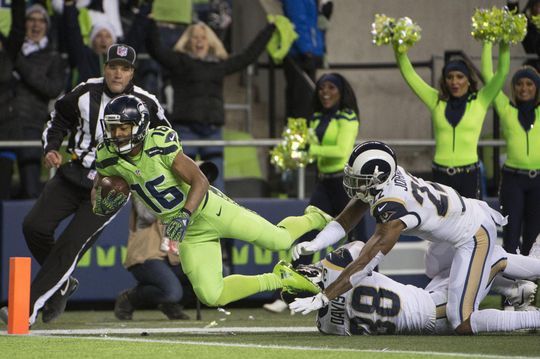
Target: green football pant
[(200, 251)]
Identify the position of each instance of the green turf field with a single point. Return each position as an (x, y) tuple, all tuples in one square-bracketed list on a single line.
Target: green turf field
[(243, 333)]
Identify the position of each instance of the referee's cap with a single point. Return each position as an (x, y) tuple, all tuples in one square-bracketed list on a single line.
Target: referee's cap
[(121, 53)]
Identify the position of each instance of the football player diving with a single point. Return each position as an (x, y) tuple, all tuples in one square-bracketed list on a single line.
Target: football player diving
[(402, 203), (196, 215)]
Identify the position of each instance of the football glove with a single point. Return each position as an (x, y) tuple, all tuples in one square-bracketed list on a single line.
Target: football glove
[(176, 229), (309, 304), (303, 249), (109, 204)]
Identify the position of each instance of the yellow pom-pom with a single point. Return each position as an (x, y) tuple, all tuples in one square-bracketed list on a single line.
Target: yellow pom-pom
[(292, 152), (498, 25)]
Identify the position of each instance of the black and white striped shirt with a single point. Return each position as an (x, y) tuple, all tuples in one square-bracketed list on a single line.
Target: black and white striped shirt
[(78, 112)]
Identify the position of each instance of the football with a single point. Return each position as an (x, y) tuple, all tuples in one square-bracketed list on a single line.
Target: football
[(114, 182)]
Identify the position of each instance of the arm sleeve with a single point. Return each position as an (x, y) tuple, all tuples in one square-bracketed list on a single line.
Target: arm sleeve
[(16, 35), (388, 210), (75, 47), (166, 57), (488, 93), (426, 93), (487, 73), (63, 118), (348, 129), (296, 12), (251, 53)]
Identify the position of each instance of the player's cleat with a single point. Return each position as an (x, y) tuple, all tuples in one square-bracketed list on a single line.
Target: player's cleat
[(277, 306), (56, 305), (535, 249), (4, 314), (293, 281), (524, 296), (312, 209), (123, 309), (173, 311)]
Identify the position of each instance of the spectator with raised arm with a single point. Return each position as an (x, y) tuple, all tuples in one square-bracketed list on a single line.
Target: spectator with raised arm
[(198, 64)]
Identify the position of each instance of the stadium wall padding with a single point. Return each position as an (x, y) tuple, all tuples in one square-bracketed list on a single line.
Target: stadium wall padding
[(102, 275)]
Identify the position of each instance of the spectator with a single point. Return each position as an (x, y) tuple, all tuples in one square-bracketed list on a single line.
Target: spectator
[(9, 48), (38, 77), (154, 265), (198, 64), (458, 110), (531, 41), (520, 185), (305, 56), (93, 12), (85, 61), (68, 192)]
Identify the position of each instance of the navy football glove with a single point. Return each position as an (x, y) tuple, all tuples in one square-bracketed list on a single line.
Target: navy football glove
[(176, 229)]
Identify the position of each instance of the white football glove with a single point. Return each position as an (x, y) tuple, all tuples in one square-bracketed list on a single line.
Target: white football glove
[(309, 304), (303, 249)]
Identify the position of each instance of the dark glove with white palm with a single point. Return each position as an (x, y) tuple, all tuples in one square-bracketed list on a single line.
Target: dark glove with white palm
[(176, 229)]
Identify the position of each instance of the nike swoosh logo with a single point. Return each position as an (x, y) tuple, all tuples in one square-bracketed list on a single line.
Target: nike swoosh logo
[(382, 207), (219, 213), (64, 290)]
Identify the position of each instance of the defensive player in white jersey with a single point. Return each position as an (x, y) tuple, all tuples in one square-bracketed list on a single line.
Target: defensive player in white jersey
[(400, 203), (379, 305)]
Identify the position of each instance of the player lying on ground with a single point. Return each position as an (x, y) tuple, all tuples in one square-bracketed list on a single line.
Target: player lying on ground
[(196, 215), (400, 203), (377, 304)]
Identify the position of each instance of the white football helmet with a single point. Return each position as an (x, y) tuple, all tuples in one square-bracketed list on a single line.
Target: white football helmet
[(371, 165)]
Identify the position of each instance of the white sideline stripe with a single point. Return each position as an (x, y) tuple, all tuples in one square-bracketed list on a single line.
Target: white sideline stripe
[(183, 330), (290, 347)]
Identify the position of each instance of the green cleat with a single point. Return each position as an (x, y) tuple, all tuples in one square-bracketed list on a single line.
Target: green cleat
[(293, 282)]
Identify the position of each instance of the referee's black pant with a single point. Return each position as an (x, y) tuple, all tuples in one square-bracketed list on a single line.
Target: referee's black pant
[(58, 200)]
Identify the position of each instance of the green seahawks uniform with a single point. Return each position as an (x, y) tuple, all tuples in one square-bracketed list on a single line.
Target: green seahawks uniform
[(151, 178), (456, 146), (521, 146), (337, 142)]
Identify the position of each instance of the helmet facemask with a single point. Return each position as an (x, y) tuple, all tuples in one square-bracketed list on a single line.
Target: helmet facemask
[(362, 187), (371, 165), (136, 116)]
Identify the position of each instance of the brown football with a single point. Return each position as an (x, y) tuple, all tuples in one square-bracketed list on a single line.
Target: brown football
[(114, 182)]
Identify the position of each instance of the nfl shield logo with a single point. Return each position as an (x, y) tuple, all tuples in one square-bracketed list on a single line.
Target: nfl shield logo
[(138, 172), (122, 51)]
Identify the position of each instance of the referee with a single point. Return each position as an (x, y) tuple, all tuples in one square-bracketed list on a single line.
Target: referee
[(68, 192)]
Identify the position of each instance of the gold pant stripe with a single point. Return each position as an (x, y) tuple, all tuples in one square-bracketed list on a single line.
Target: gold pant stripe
[(331, 265), (474, 273), (440, 311), (499, 266)]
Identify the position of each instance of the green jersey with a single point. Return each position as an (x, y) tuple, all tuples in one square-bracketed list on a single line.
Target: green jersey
[(149, 174), (456, 146), (521, 145), (337, 142)]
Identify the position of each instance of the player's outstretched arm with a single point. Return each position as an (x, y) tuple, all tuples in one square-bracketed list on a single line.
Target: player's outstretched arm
[(334, 231), (381, 242), (190, 173)]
